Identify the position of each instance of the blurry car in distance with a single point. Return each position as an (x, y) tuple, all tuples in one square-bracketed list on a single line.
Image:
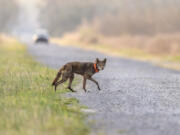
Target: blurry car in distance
[(41, 36)]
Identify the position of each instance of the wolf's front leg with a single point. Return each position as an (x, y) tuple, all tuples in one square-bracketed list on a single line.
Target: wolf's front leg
[(93, 80), (84, 83)]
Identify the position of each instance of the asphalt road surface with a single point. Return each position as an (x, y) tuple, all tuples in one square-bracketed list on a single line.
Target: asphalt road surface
[(137, 98)]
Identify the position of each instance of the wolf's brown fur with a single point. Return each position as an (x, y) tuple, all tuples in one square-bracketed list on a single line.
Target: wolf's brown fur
[(86, 69)]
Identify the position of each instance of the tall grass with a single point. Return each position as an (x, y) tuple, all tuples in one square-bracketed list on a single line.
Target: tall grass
[(28, 103), (160, 44)]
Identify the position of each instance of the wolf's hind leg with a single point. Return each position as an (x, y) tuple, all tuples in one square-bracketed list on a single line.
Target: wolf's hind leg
[(61, 81), (71, 78)]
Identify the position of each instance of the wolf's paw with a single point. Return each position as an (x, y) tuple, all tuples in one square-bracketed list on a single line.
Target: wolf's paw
[(74, 91), (71, 89)]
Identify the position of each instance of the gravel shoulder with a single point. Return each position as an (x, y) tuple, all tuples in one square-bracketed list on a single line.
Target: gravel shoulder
[(137, 98)]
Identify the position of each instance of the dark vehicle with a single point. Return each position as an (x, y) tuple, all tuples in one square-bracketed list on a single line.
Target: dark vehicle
[(41, 37)]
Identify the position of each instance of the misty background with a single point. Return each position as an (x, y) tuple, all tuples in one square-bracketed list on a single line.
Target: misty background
[(122, 17), (113, 17), (8, 15), (131, 23)]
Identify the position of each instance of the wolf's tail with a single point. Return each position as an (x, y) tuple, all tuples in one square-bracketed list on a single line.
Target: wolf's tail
[(57, 77)]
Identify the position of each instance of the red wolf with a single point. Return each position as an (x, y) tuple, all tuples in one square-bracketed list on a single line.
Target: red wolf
[(86, 69)]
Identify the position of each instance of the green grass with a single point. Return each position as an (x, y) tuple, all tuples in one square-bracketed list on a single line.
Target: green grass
[(28, 103)]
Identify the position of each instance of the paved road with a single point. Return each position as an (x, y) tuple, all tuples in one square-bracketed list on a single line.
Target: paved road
[(137, 98)]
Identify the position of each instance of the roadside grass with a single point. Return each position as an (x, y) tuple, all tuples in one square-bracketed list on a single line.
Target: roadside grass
[(28, 103)]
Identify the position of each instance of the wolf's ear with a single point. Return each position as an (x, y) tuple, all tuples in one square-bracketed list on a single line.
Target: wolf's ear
[(104, 60), (97, 60)]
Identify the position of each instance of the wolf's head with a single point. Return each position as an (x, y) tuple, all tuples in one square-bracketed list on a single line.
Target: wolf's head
[(100, 64)]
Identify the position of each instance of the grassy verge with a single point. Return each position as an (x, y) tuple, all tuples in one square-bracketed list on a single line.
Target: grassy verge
[(28, 103)]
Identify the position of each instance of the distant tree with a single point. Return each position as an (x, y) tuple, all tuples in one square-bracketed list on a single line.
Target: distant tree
[(115, 17), (8, 14), (60, 16)]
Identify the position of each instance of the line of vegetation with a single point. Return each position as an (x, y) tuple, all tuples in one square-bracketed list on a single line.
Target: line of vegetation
[(112, 18), (162, 50), (28, 103)]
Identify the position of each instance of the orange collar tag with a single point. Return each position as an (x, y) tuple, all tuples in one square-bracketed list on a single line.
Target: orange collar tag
[(95, 68)]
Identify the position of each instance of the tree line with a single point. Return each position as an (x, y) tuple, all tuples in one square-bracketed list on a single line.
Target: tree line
[(113, 17), (8, 15)]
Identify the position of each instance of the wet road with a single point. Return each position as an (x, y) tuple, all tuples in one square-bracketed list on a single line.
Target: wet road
[(137, 98)]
